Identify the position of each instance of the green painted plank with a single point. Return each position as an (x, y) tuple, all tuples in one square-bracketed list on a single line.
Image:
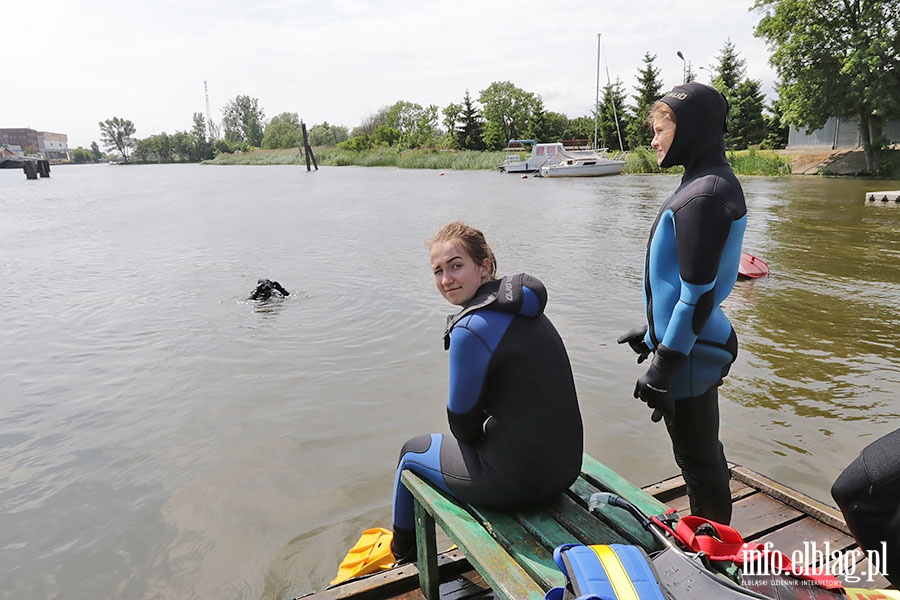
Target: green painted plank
[(618, 518), (525, 548), (581, 526), (608, 480), (506, 577)]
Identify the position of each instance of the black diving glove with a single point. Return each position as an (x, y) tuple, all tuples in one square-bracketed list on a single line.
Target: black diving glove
[(653, 387), (635, 339)]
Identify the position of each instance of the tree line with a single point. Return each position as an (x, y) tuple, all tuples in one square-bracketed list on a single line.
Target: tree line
[(831, 58)]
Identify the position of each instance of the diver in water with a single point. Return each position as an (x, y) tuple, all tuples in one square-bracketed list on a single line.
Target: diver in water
[(868, 494), (516, 427), (265, 288), (690, 267)]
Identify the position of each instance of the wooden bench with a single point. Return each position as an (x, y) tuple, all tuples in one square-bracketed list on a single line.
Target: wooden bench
[(513, 551)]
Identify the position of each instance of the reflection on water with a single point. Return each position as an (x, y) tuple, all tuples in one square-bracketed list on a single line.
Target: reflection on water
[(165, 437)]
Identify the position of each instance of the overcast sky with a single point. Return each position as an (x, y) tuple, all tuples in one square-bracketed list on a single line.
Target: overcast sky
[(70, 64)]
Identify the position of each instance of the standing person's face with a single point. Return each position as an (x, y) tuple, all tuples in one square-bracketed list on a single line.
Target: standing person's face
[(663, 135), (456, 274)]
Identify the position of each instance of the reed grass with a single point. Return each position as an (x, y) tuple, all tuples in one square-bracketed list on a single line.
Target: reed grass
[(640, 160)]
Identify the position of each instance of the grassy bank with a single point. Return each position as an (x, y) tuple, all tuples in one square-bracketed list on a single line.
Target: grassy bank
[(642, 160)]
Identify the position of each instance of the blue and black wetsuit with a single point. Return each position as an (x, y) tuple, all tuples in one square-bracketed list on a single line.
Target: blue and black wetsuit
[(517, 434), (691, 266), (868, 494)]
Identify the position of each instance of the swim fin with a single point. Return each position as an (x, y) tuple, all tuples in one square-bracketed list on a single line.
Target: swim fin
[(372, 553)]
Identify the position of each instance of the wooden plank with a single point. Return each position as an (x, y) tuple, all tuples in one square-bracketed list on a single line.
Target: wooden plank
[(524, 547), (426, 551), (821, 511), (393, 582), (608, 480), (667, 489), (506, 577), (581, 526), (618, 519), (806, 536), (739, 490), (758, 515)]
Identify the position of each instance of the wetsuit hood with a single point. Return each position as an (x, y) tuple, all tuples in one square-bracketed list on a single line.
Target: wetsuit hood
[(701, 113), (520, 294)]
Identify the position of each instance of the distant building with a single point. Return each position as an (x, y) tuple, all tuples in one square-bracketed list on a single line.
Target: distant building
[(838, 133), (47, 144)]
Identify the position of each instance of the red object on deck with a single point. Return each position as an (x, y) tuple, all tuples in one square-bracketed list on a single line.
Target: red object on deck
[(752, 267)]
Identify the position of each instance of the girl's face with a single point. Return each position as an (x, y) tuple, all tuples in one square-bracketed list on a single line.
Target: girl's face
[(456, 274), (663, 136)]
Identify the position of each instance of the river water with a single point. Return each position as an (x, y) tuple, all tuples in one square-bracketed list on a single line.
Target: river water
[(163, 437)]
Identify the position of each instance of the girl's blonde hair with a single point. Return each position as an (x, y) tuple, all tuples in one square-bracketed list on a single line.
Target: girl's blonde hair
[(472, 241), (660, 110)]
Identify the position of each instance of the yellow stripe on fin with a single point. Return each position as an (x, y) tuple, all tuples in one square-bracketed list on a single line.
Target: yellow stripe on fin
[(618, 577)]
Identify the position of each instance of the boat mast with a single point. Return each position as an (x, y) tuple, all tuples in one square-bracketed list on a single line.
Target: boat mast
[(597, 95), (612, 102)]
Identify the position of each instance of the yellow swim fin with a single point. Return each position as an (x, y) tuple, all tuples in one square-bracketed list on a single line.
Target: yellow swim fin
[(372, 553)]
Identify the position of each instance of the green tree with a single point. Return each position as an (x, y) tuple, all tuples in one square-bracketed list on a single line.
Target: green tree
[(116, 134), (202, 148), (283, 131), (509, 113), (417, 125), (776, 128), (746, 125), (579, 128), (95, 150), (470, 126), (554, 126), (325, 134), (613, 110), (836, 59), (182, 145), (80, 155), (649, 90), (244, 121)]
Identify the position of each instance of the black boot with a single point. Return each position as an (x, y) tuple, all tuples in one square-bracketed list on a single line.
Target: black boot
[(403, 546)]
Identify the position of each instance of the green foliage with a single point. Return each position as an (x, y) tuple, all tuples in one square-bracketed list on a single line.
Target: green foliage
[(386, 136), (116, 134), (283, 131), (649, 90), (327, 135), (244, 121), (612, 109), (468, 127), (746, 124), (835, 59), (201, 148), (553, 127), (509, 113), (358, 143), (754, 162), (80, 155), (95, 150)]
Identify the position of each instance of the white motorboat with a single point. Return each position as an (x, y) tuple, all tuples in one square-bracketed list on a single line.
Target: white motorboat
[(585, 166), (540, 155)]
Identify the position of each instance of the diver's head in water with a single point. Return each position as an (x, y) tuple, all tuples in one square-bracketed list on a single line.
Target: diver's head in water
[(265, 288)]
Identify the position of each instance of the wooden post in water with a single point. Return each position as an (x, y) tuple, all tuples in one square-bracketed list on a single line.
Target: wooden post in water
[(30, 169), (306, 149), (43, 168)]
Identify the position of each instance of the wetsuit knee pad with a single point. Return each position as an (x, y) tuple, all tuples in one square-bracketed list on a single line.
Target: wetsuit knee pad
[(851, 485), (419, 444)]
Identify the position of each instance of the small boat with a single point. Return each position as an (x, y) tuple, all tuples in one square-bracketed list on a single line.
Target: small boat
[(540, 155), (585, 166), (752, 267)]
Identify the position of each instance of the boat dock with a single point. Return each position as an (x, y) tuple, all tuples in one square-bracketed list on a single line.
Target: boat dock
[(883, 197), (764, 511)]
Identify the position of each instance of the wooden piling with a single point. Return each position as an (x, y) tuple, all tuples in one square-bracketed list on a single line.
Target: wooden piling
[(43, 168), (306, 149), (30, 169)]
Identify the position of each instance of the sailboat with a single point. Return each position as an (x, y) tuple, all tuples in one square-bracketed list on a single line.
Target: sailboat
[(593, 163)]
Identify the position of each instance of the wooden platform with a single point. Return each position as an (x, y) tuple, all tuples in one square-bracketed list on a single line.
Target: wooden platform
[(883, 197), (764, 511)]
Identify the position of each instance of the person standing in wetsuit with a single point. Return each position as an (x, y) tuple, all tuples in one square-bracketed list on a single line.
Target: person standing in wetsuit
[(868, 494), (690, 267), (516, 427)]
